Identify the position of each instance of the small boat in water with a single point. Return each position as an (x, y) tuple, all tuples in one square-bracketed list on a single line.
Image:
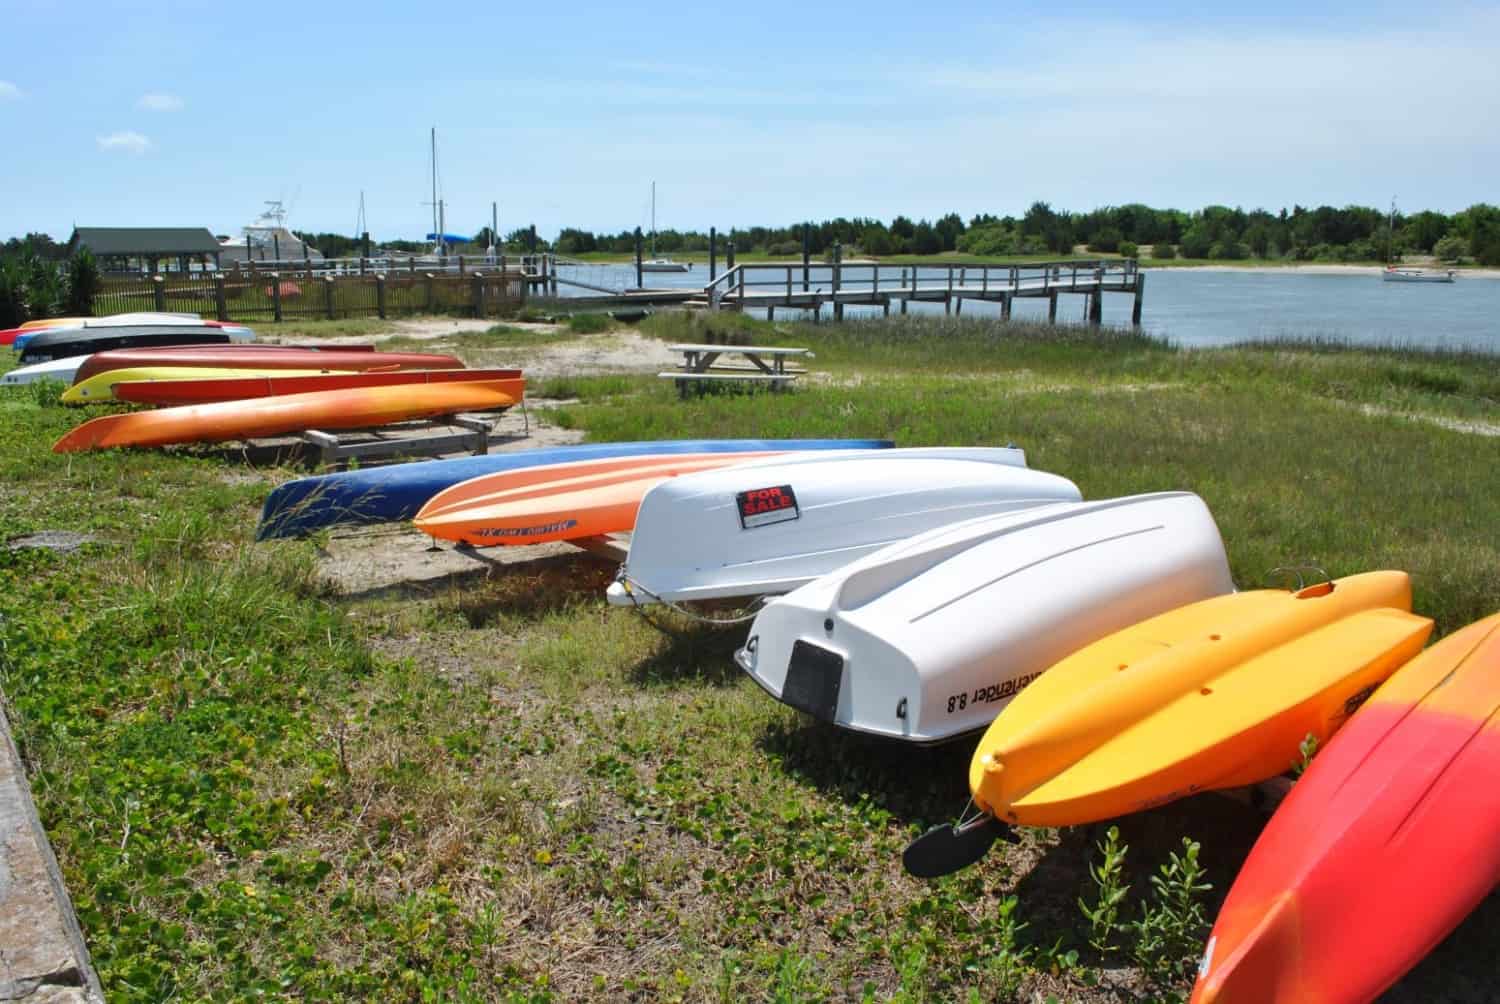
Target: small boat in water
[(1396, 273)]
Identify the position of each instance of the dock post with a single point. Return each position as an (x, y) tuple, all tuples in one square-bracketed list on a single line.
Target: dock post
[(638, 273), (1096, 308), (903, 305), (713, 255), (275, 295), (1140, 290), (479, 305), (806, 258), (729, 256), (221, 309), (838, 269), (380, 294), (1004, 306), (159, 293), (1052, 306), (958, 306), (431, 292), (328, 296), (770, 311)]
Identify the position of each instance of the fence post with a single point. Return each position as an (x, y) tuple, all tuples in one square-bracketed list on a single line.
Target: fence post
[(328, 295), (713, 254), (478, 280), (838, 270), (221, 307), (460, 264), (806, 258), (275, 278), (1140, 293), (380, 294), (431, 292), (728, 256), (638, 281), (159, 292)]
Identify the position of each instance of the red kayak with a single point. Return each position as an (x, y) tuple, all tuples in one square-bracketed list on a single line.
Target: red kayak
[(274, 357), (208, 391), (1388, 841)]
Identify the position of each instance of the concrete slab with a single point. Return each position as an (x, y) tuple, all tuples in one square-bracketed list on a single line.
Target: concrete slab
[(43, 959)]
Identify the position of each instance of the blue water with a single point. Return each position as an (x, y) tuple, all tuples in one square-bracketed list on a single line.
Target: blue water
[(1198, 307)]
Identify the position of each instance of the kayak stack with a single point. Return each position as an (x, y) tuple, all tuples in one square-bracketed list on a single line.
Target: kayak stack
[(209, 381)]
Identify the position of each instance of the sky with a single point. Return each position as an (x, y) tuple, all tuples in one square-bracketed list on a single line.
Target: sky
[(753, 113)]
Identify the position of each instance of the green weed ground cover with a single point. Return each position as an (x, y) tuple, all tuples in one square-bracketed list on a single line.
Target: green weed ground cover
[(499, 788)]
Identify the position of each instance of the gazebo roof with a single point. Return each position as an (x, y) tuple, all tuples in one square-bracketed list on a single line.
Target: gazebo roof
[(145, 241)]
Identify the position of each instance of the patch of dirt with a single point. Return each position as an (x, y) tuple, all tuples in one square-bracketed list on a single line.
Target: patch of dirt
[(621, 351), (1473, 428)]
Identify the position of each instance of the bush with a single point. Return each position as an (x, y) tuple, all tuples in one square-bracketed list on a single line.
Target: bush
[(83, 283), (1106, 240), (783, 248), (1128, 249), (588, 324), (1163, 251), (1228, 250), (1450, 248)]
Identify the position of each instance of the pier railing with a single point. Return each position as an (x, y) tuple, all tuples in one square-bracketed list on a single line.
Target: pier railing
[(266, 295), (868, 283)]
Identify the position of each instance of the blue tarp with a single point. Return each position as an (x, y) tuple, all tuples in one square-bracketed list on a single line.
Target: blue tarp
[(450, 238)]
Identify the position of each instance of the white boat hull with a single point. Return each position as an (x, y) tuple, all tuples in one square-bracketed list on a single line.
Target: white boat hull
[(666, 266), (771, 526), (929, 639), (1416, 275), (54, 369)]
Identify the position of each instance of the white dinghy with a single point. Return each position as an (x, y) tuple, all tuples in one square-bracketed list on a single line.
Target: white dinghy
[(63, 370), (930, 638), (770, 526)]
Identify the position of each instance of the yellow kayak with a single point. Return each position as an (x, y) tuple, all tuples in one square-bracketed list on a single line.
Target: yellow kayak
[(101, 386), (1216, 694)]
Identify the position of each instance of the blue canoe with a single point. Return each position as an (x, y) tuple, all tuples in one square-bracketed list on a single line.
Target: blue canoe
[(396, 493)]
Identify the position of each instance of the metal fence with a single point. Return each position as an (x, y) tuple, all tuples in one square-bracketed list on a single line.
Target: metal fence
[(246, 295)]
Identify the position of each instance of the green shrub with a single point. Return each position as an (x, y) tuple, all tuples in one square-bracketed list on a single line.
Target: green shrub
[(589, 324), (1163, 252), (83, 283), (1128, 249), (1450, 248)]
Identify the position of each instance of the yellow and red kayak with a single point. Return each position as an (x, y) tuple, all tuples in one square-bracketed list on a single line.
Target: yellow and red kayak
[(559, 501), (269, 416), (265, 357), (1216, 694), (1387, 842), (187, 388), (104, 386)]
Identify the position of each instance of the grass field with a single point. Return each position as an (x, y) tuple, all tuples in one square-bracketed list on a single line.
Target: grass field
[(499, 788)]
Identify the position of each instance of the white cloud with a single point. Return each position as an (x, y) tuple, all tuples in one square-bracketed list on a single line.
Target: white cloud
[(9, 91), (126, 142), (157, 101)]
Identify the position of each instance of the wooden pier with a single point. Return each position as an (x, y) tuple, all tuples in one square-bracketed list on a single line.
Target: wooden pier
[(871, 284)]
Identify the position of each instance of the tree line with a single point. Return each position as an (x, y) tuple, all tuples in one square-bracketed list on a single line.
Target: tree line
[(1324, 233)]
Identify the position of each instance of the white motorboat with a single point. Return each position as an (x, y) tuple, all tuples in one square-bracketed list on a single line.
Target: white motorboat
[(770, 526), (665, 265), (930, 638), (1396, 273)]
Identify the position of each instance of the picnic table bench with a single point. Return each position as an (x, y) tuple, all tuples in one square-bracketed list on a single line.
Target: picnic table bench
[(758, 364)]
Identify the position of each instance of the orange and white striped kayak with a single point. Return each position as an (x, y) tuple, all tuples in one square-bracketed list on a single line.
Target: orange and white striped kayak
[(559, 501), (269, 416)]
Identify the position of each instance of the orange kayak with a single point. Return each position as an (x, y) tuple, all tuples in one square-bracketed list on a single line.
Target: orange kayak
[(559, 501), (209, 390), (265, 357), (357, 408)]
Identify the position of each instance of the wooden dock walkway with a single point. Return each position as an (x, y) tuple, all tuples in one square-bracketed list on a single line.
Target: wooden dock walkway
[(871, 284)]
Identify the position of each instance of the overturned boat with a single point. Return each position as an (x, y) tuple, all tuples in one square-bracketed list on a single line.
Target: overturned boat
[(771, 526), (928, 639)]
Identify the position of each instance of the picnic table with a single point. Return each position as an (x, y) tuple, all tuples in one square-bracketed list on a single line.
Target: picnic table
[(753, 363)]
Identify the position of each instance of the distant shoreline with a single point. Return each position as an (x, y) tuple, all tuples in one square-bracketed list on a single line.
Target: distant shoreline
[(1325, 268)]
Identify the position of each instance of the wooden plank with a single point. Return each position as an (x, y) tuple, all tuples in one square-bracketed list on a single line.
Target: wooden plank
[(769, 349)]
